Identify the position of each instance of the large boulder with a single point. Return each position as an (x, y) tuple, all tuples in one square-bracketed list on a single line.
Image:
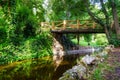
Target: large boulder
[(76, 73), (88, 59)]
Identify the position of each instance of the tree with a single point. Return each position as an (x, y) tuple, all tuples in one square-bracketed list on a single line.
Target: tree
[(88, 38), (106, 12), (18, 18), (86, 9), (115, 18), (62, 9)]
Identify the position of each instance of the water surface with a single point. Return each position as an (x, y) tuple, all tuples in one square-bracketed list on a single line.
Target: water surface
[(39, 69)]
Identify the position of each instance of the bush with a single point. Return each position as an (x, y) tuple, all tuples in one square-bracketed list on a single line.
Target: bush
[(31, 48), (101, 39), (115, 42), (3, 35)]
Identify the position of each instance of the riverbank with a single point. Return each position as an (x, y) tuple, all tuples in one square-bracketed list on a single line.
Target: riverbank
[(109, 69), (86, 66), (113, 61)]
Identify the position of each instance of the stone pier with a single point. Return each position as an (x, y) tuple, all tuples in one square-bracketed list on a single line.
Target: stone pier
[(61, 44)]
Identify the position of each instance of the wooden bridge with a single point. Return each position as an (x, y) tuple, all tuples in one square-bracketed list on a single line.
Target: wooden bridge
[(61, 44), (73, 26)]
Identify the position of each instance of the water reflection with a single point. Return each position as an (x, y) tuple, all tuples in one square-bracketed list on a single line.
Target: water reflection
[(47, 68), (39, 69)]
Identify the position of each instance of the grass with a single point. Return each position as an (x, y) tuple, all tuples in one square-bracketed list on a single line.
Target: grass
[(96, 40), (97, 75), (99, 72), (84, 43)]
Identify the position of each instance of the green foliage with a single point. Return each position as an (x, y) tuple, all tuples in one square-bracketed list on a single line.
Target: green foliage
[(115, 42), (101, 39), (20, 38), (42, 44), (87, 37), (19, 26), (30, 48), (25, 24), (64, 10), (97, 75), (93, 40), (29, 30), (3, 36)]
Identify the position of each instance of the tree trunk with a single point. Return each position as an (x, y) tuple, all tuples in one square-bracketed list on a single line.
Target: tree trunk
[(108, 30), (78, 38), (115, 18)]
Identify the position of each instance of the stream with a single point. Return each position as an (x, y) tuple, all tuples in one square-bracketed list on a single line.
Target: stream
[(38, 69)]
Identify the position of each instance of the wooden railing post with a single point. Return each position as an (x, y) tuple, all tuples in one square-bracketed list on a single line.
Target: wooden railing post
[(86, 23), (53, 25), (64, 24), (78, 24), (94, 25)]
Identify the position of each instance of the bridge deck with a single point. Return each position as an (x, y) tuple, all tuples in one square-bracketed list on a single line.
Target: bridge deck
[(76, 26), (79, 31)]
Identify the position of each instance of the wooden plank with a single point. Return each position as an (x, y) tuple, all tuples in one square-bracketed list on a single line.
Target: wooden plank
[(53, 25), (78, 23), (60, 24), (73, 26), (64, 24)]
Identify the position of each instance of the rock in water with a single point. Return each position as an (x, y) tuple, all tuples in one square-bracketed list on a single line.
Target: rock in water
[(76, 73), (88, 59)]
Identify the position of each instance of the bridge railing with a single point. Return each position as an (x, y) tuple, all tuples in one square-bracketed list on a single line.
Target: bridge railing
[(71, 24)]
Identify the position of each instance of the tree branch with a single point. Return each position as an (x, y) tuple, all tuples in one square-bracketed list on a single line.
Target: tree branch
[(95, 18), (105, 13)]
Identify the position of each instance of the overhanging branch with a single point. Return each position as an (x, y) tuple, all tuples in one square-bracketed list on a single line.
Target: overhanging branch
[(95, 18)]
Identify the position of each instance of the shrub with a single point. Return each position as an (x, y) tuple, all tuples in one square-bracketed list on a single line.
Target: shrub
[(115, 42), (3, 35)]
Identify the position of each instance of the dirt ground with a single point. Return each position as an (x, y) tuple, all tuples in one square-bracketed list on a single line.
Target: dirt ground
[(113, 61)]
